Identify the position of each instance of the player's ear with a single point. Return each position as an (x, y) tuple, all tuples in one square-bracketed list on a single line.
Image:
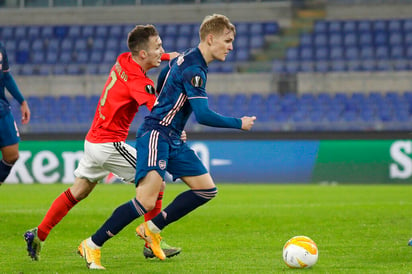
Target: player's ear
[(209, 39), (143, 54)]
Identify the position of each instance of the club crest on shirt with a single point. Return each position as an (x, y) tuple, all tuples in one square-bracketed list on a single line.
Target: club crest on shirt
[(197, 81), (150, 89), (162, 164)]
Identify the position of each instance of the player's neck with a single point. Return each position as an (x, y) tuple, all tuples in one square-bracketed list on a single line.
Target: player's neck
[(205, 53), (140, 63)]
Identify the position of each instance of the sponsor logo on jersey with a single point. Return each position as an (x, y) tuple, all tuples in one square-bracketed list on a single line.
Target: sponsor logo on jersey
[(162, 164), (150, 89), (197, 81)]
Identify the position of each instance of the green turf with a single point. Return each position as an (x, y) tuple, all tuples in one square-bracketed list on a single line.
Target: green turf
[(358, 229)]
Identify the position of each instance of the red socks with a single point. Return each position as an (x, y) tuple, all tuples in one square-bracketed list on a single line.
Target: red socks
[(58, 209), (156, 210)]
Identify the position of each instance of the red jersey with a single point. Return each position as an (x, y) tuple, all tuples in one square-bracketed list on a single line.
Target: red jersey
[(126, 89)]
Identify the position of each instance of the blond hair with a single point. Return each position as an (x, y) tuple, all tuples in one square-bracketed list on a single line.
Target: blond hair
[(215, 24)]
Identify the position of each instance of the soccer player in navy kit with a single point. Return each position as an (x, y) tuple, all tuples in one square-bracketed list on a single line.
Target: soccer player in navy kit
[(9, 133), (158, 144)]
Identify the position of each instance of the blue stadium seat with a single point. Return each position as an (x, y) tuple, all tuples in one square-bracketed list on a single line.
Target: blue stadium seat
[(305, 40), (354, 65), (383, 65), (304, 54), (20, 32), (335, 26), (66, 44), (395, 38), (322, 66), (37, 44), (47, 32), (7, 33), (335, 39), (82, 57), (23, 45), (367, 52), (368, 64), (65, 57), (349, 26), (352, 53), (350, 39), (113, 44), (74, 31), (53, 44), (88, 31), (242, 55), (401, 65), (98, 44), (322, 53), (307, 66), (278, 66), (171, 30), (395, 25), (80, 44), (256, 28), (320, 40), (27, 70), (116, 31), (271, 28), (320, 26), (74, 69), (22, 56), (407, 25), (396, 52), (364, 26), (256, 41), (379, 25), (185, 30), (338, 65), (38, 57), (101, 31), (380, 38), (337, 53), (292, 66), (365, 39), (292, 53), (241, 42), (51, 57), (242, 29), (182, 43), (61, 31), (33, 32), (109, 57), (382, 52)]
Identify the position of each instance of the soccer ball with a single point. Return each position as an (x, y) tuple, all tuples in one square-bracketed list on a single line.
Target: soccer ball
[(300, 252)]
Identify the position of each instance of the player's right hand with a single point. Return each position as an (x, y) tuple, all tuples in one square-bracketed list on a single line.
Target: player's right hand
[(247, 122)]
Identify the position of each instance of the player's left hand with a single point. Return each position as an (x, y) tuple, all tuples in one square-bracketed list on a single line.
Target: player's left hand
[(25, 113)]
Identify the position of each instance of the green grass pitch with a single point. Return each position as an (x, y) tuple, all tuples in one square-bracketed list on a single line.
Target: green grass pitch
[(358, 229)]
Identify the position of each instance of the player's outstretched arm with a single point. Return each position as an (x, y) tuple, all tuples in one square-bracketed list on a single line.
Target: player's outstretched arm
[(247, 122)]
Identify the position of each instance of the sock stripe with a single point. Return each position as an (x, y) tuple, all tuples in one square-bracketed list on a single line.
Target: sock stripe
[(206, 193), (130, 158), (138, 207), (70, 197)]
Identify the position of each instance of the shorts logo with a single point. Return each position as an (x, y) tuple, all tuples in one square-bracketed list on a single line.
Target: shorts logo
[(162, 164), (150, 89), (197, 81)]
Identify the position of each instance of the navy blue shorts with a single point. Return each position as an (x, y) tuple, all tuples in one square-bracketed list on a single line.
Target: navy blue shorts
[(160, 153), (9, 134)]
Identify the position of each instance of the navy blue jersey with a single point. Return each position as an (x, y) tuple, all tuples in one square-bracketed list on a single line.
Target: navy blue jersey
[(182, 93)]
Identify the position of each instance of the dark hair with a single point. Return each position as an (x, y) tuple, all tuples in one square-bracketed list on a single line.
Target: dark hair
[(138, 38)]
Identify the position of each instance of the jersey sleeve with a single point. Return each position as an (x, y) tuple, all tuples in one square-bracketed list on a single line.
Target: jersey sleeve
[(144, 93), (194, 82)]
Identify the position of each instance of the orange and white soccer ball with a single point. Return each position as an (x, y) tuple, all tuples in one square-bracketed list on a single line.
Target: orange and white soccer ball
[(300, 252)]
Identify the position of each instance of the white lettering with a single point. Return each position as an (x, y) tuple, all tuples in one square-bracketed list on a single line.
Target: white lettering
[(402, 169), (20, 170), (44, 162), (70, 159)]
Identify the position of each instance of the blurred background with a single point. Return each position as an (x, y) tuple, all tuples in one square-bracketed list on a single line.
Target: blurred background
[(314, 69)]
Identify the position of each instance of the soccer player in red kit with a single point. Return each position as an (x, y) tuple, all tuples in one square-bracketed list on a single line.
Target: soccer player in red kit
[(105, 150)]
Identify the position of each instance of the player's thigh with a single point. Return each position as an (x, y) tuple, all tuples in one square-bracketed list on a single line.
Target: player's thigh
[(183, 162), (204, 181), (152, 154), (9, 137), (90, 166), (122, 161)]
